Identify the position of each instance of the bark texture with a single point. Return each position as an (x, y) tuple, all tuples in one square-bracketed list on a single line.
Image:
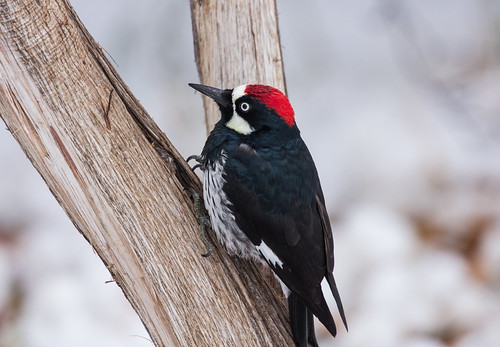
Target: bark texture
[(236, 42), (122, 184)]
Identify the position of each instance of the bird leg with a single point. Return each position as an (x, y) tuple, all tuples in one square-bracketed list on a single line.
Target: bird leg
[(203, 220)]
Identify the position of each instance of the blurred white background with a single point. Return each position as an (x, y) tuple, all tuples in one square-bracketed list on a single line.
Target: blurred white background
[(399, 103)]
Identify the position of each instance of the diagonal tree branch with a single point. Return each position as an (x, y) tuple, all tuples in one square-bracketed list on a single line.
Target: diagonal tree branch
[(122, 184)]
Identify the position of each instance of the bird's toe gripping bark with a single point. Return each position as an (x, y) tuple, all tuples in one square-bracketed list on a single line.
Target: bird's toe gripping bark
[(198, 159)]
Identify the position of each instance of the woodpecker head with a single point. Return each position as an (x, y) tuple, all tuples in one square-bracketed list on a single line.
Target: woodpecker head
[(251, 107)]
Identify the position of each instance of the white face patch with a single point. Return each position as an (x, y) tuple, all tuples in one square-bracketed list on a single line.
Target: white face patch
[(268, 253), (237, 123), (238, 92)]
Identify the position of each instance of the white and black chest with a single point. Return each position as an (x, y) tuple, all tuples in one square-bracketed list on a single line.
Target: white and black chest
[(221, 216)]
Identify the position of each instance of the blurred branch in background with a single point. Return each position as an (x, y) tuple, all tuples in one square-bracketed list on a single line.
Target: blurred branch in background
[(448, 66), (457, 70), (452, 70)]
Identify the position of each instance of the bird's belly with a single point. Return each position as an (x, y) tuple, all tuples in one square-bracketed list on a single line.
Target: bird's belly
[(222, 219)]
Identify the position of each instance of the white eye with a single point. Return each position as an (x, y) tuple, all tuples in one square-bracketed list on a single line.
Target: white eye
[(245, 106)]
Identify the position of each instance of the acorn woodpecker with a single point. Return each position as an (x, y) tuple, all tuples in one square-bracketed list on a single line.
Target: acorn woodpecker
[(262, 192)]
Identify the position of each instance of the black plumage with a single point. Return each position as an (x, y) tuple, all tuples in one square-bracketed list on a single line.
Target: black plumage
[(268, 188)]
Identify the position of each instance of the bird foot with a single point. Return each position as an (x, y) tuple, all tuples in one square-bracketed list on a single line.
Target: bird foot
[(198, 159), (203, 220)]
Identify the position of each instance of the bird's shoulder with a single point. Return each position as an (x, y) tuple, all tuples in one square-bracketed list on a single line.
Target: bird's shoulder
[(273, 189), (279, 176)]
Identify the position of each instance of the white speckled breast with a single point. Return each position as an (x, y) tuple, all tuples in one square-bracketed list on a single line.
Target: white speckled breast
[(221, 216)]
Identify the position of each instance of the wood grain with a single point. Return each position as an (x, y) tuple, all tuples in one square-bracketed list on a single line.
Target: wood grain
[(236, 42), (122, 184)]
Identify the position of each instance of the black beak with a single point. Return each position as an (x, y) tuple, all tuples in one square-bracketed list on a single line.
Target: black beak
[(220, 96)]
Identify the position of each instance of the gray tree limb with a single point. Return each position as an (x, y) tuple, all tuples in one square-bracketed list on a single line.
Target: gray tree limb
[(122, 184)]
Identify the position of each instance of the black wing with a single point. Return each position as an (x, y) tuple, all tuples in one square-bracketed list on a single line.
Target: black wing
[(277, 199)]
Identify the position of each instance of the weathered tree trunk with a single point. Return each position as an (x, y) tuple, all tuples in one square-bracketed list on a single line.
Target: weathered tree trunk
[(236, 42), (122, 184)]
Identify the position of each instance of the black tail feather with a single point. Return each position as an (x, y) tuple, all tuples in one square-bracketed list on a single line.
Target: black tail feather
[(301, 314), (302, 322), (311, 333), (336, 295), (298, 319)]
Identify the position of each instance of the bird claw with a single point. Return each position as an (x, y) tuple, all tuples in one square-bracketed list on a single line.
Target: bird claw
[(194, 157), (198, 159), (197, 166), (209, 252), (203, 220)]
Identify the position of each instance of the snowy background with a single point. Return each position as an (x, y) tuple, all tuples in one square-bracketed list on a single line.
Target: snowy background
[(399, 104)]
